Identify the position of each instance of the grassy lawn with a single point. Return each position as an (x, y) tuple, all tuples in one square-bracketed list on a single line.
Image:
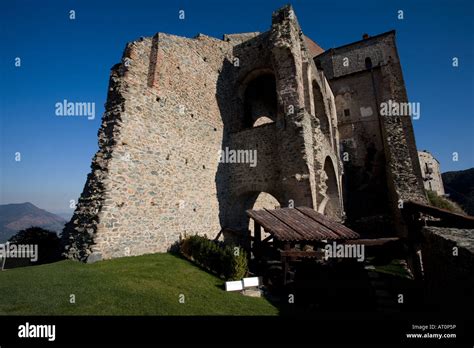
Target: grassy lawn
[(140, 285), (393, 268)]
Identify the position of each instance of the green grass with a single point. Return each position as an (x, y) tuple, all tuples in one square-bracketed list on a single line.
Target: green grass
[(442, 203), (140, 285), (394, 268)]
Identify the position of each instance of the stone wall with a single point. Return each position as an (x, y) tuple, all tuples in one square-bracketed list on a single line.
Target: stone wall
[(173, 103), (292, 149), (362, 144), (157, 166), (448, 265)]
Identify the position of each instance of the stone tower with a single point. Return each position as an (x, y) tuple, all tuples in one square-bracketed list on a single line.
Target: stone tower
[(381, 167), (431, 172)]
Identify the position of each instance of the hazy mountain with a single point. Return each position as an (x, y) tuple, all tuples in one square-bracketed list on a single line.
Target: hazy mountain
[(65, 215), (16, 217), (460, 187)]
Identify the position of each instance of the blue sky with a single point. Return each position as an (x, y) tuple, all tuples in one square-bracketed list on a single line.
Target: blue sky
[(71, 59)]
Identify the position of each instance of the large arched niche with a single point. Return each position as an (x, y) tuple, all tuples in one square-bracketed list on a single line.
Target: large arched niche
[(264, 200), (329, 202), (237, 217), (258, 92)]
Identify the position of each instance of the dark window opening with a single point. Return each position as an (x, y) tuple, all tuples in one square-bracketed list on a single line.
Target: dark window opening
[(347, 112), (260, 100), (368, 63)]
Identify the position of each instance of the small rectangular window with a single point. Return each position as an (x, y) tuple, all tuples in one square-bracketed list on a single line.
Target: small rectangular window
[(347, 112)]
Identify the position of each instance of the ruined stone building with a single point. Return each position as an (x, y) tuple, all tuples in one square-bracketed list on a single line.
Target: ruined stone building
[(431, 173), (311, 115)]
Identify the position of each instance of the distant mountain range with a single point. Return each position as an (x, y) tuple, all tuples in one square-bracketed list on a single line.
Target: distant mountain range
[(16, 217), (65, 215), (460, 187)]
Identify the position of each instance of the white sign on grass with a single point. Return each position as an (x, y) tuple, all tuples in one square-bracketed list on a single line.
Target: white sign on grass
[(234, 286), (251, 282)]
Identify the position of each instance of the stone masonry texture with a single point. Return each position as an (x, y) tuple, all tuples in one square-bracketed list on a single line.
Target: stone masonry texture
[(173, 103), (448, 257)]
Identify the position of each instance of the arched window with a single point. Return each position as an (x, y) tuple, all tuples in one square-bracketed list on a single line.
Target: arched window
[(260, 101)]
